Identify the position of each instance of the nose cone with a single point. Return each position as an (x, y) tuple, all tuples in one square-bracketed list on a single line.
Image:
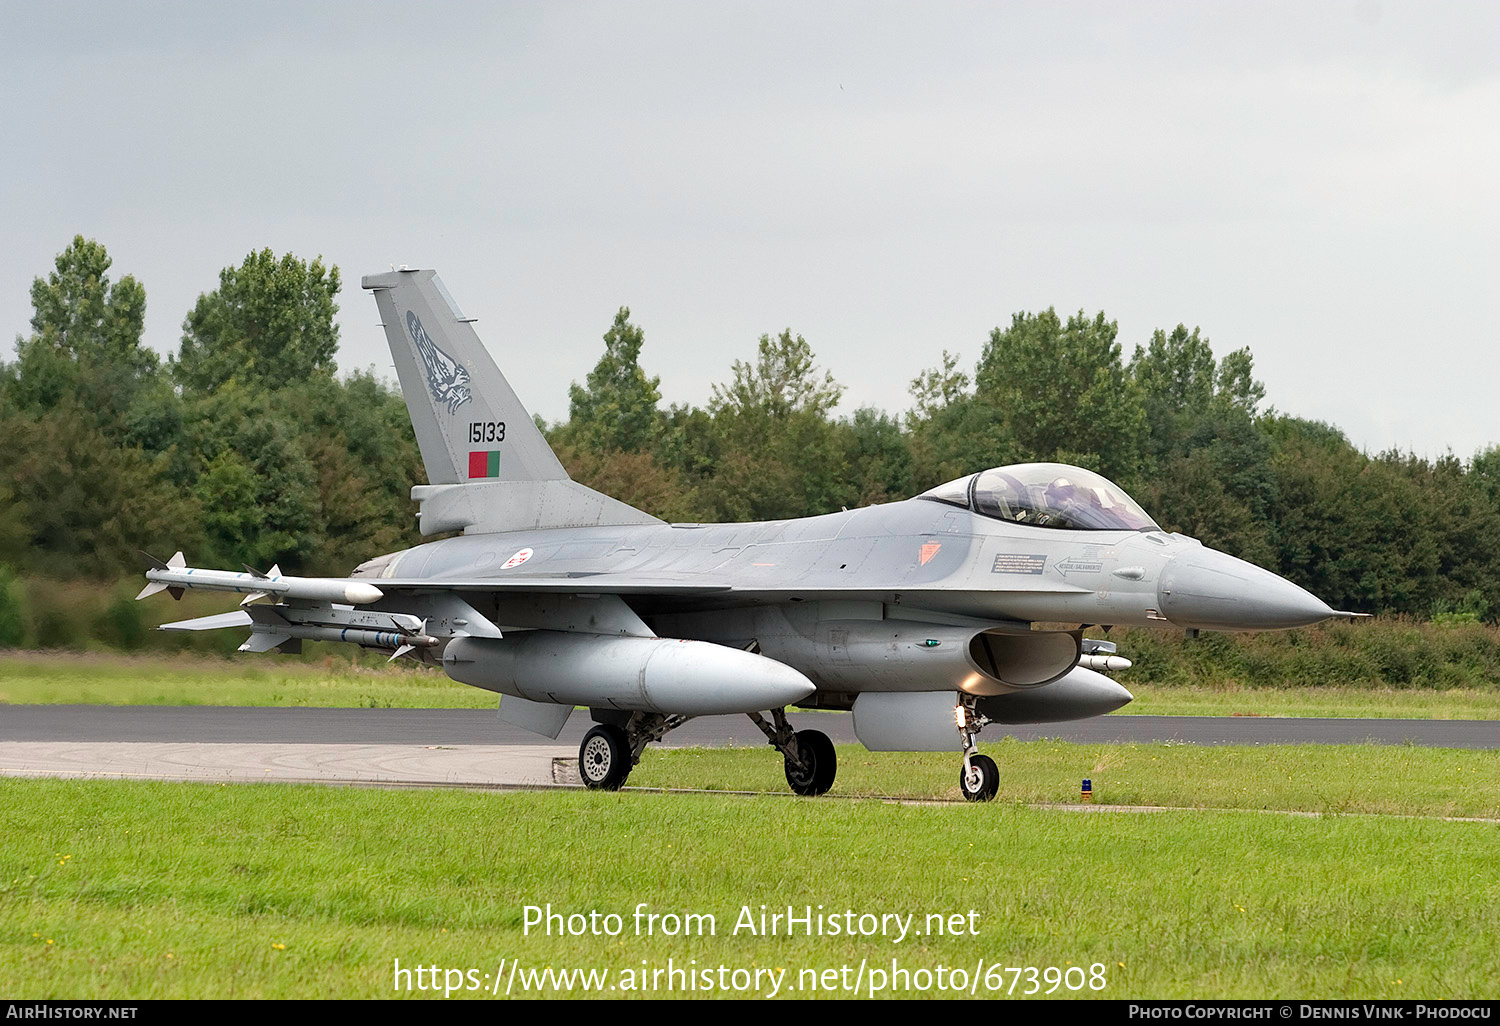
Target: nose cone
[(1212, 590)]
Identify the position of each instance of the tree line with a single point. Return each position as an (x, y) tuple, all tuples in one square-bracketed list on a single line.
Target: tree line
[(247, 446)]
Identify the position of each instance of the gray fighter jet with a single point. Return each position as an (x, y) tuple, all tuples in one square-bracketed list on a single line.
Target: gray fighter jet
[(928, 618)]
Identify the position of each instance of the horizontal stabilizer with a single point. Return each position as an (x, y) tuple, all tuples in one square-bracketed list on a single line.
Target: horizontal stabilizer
[(482, 507)]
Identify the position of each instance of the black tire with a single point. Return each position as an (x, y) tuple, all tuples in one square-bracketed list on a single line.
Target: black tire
[(980, 779), (822, 765), (604, 758)]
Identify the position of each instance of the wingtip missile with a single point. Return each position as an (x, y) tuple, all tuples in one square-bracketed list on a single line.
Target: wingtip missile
[(175, 575)]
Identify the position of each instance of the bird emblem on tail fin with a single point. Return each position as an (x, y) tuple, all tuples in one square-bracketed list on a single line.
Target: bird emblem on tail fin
[(446, 378)]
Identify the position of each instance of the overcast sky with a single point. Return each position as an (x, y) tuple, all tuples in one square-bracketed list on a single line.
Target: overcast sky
[(1317, 181)]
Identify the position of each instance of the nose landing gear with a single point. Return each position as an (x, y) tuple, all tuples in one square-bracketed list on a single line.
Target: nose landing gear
[(979, 777)]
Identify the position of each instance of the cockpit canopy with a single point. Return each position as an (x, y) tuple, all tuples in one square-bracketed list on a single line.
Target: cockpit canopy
[(1046, 495)]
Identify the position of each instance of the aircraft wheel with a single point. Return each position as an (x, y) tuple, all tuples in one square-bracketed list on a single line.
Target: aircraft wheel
[(980, 779), (821, 764), (604, 758)]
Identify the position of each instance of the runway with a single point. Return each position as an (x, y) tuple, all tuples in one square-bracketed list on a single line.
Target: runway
[(98, 723), (473, 748)]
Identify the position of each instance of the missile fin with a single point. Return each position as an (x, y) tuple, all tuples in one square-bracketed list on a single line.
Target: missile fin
[(151, 589), (264, 641), (177, 560)]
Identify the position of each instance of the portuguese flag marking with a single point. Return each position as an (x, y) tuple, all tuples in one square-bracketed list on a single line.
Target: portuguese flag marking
[(484, 464)]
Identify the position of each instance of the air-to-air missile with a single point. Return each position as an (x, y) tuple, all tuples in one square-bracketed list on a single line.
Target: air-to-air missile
[(175, 575)]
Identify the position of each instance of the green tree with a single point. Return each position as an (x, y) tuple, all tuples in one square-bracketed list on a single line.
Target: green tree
[(86, 338), (1484, 471), (616, 407), (1237, 388), (782, 381), (878, 455), (89, 502), (777, 453), (1192, 493), (1063, 392), (952, 431), (937, 388), (78, 311), (1357, 531), (358, 440), (256, 484), (269, 323), (1175, 375)]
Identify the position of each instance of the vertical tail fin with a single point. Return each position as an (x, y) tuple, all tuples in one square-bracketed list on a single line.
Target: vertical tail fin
[(488, 466), (470, 425)]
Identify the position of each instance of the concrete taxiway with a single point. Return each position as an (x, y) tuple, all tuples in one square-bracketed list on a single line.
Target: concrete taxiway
[(473, 748), (258, 725)]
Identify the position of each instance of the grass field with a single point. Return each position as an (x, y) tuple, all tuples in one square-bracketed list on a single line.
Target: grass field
[(1327, 779), (175, 890), (101, 679)]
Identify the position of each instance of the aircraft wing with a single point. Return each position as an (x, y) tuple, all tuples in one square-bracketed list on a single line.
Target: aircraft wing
[(603, 584), (625, 584)]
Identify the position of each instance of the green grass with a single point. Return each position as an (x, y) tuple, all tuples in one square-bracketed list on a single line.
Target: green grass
[(1332, 779), (141, 890), (1327, 700), (52, 678), (60, 679)]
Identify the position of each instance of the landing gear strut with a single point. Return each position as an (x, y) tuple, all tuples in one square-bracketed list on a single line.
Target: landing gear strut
[(979, 778), (610, 751), (811, 763)]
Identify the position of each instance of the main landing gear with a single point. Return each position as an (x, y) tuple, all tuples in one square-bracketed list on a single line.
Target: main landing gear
[(979, 778), (610, 751), (811, 763)]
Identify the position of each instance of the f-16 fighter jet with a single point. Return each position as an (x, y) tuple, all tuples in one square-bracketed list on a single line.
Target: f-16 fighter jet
[(928, 618)]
